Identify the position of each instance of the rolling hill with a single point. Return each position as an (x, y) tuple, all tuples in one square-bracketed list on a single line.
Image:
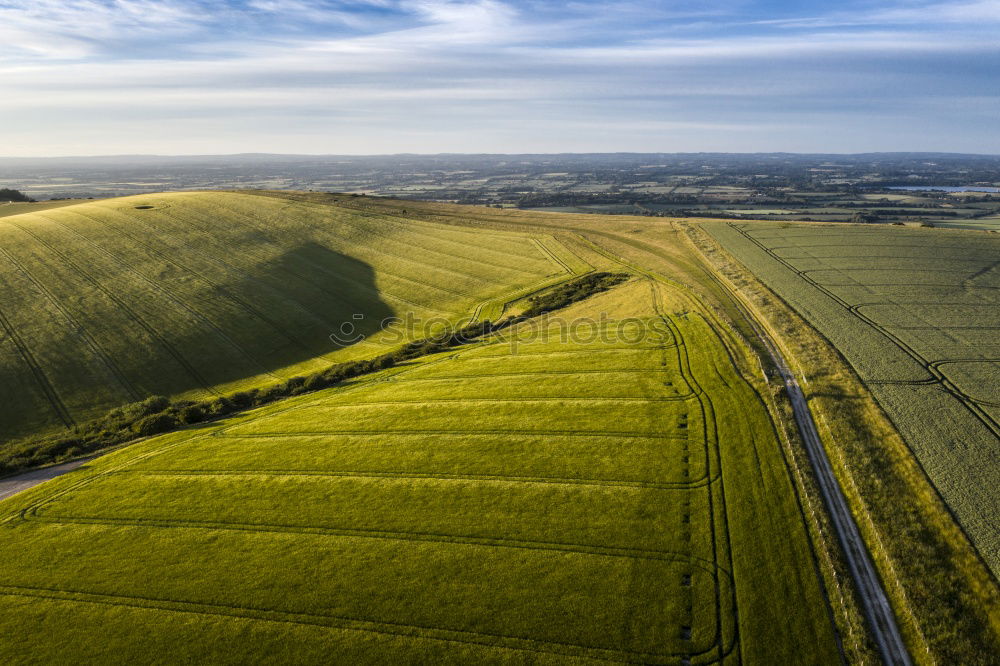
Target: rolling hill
[(616, 477), (198, 294), (610, 491)]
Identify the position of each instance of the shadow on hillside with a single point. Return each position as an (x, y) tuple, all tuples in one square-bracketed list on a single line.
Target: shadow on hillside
[(226, 320), (307, 302)]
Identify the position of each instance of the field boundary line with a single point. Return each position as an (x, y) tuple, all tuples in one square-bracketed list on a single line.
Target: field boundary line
[(981, 415), (874, 601), (817, 529)]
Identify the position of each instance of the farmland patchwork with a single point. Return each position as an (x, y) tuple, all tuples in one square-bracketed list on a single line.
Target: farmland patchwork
[(915, 312)]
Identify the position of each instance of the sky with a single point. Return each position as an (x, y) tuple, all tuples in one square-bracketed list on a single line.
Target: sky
[(100, 77)]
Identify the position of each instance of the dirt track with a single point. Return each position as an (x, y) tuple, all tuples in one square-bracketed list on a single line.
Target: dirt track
[(15, 484), (878, 612)]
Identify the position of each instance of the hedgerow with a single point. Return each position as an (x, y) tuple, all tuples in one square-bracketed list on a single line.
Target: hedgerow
[(157, 414)]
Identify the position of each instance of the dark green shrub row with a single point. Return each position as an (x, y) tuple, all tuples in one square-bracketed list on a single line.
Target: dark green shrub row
[(571, 292), (157, 414)]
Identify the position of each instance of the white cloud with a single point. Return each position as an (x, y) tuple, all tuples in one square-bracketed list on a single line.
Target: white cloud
[(78, 28), (797, 45), (952, 12), (479, 68), (928, 14)]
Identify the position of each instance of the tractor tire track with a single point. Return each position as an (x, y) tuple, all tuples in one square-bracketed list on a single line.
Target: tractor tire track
[(130, 389), (215, 286), (174, 298), (150, 330), (874, 601), (977, 412), (712, 455), (62, 412), (263, 258), (459, 277), (418, 631)]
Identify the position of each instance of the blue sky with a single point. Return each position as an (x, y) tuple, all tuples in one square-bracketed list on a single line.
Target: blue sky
[(86, 77)]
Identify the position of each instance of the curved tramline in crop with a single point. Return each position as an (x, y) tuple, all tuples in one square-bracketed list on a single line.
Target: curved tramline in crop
[(855, 309), (576, 470), (900, 329)]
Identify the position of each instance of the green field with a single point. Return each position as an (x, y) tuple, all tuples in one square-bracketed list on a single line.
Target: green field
[(544, 495), (991, 223), (613, 481), (198, 294), (916, 312)]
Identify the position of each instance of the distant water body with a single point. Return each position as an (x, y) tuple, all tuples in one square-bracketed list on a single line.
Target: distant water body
[(943, 188)]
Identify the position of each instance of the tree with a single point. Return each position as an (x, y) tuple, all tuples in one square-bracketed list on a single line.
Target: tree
[(13, 195)]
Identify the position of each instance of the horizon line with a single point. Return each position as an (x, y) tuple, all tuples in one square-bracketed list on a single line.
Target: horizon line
[(490, 154)]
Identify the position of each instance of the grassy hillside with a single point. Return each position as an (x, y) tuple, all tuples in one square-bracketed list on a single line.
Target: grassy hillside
[(518, 499), (603, 486), (195, 294), (944, 595)]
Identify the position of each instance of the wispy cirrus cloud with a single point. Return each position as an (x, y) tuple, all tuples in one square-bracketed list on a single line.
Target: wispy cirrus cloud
[(975, 13), (448, 75), (75, 29)]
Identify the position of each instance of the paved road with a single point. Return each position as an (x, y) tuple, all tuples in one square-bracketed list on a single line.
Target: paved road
[(15, 484), (873, 598)]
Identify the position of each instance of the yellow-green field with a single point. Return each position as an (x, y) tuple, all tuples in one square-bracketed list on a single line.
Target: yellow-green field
[(611, 492), (196, 294), (20, 207), (615, 480)]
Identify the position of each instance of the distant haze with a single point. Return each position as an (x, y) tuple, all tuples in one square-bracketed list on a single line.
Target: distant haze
[(98, 77)]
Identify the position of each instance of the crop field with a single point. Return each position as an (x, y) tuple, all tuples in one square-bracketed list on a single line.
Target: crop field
[(198, 294), (916, 312), (19, 208), (991, 223), (613, 490)]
